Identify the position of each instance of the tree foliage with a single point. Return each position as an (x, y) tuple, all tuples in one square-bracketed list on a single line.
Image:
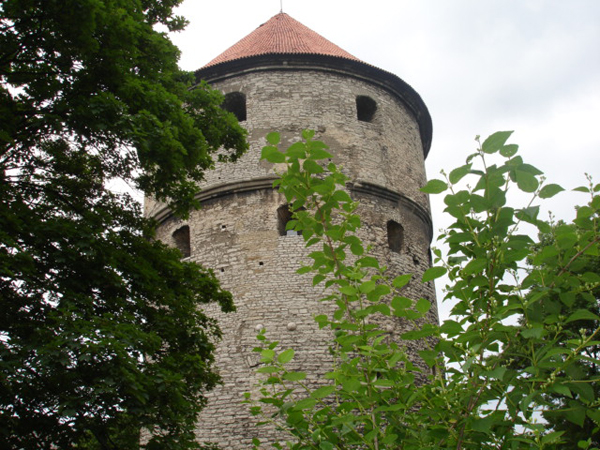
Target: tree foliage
[(100, 328), (584, 266), (513, 349)]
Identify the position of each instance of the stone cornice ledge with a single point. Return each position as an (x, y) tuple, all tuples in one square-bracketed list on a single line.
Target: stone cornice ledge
[(266, 182), (222, 190), (366, 187)]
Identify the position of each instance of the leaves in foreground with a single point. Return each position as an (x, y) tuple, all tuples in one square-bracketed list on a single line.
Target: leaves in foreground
[(522, 341)]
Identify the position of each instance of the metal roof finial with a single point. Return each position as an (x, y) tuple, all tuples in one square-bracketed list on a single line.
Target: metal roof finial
[(280, 6)]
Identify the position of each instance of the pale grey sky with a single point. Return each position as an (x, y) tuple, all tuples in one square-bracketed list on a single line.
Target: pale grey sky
[(532, 66)]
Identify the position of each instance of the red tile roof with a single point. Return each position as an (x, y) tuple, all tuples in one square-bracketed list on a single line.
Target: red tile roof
[(281, 35)]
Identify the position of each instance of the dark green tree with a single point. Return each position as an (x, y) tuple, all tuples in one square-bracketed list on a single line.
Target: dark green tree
[(579, 264), (101, 329)]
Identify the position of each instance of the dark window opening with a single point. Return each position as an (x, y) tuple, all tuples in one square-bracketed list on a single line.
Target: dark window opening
[(284, 215), (181, 236), (395, 236), (235, 103), (365, 108)]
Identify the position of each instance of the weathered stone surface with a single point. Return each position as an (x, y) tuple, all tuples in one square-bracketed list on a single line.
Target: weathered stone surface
[(236, 231)]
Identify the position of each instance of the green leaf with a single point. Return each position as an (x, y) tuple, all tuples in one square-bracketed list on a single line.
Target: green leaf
[(508, 151), (322, 320), (286, 356), (297, 150), (272, 155), (357, 249), (323, 392), (348, 290), (341, 196), (401, 302), (323, 188), (591, 277), (552, 438), (307, 403), (307, 135), (497, 373), (401, 280), (384, 383), (319, 153), (475, 266), (576, 415), (273, 138), (528, 214), (526, 181), (419, 334), (429, 356), (451, 328), (368, 261), (267, 355), (379, 291), (267, 369), (582, 189), (484, 424), (433, 273), (390, 440), (381, 308), (550, 190), (317, 279), (495, 141), (535, 332), (312, 167), (423, 305), (367, 287), (457, 174), (294, 376), (479, 203), (561, 389), (582, 314), (583, 212), (594, 414), (434, 187)]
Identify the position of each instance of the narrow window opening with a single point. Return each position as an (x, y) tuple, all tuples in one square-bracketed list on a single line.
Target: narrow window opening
[(181, 236), (365, 108), (395, 233), (235, 103), (284, 215)]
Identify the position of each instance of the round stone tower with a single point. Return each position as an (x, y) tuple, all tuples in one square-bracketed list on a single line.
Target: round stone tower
[(284, 77)]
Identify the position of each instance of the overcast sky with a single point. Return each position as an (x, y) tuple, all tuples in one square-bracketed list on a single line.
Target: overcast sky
[(532, 66)]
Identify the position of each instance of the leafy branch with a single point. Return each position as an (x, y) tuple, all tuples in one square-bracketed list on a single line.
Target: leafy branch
[(481, 378)]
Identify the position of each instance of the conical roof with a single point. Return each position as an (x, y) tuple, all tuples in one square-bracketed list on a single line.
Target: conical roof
[(281, 35)]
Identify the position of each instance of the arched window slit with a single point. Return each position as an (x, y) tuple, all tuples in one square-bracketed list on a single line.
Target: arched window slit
[(181, 236), (235, 103)]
